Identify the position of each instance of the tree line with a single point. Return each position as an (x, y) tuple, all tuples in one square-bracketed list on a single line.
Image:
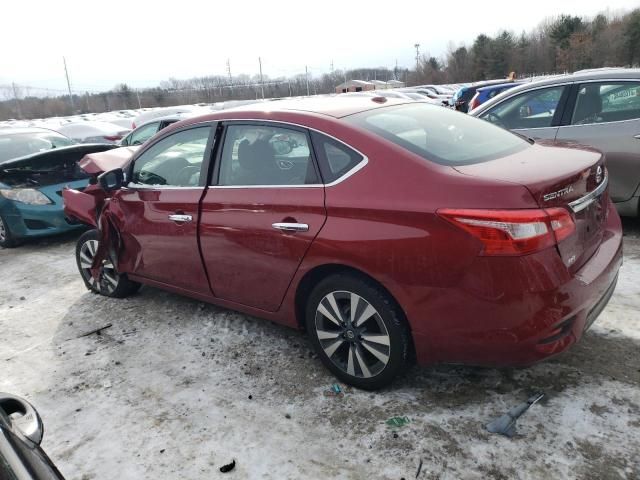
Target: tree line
[(559, 44)]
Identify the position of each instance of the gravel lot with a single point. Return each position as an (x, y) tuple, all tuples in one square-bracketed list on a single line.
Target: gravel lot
[(176, 388)]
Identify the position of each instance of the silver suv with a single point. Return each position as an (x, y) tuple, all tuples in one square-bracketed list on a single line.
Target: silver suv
[(599, 108)]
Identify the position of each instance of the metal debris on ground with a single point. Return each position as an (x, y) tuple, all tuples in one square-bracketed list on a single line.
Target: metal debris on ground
[(95, 330), (334, 391), (228, 467), (506, 424), (397, 422)]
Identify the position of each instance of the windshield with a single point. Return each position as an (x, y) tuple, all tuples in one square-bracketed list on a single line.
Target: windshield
[(20, 144), (439, 134)]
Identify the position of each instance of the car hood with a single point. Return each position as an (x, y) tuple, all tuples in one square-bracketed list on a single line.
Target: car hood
[(99, 162), (51, 167)]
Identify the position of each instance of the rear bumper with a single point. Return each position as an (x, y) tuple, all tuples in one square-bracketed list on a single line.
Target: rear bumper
[(516, 312)]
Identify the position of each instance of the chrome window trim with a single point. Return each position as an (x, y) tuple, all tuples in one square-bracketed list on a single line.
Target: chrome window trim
[(142, 186), (583, 202), (356, 168)]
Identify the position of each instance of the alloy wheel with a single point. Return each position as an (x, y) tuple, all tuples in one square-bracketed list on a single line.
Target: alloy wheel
[(3, 231), (109, 277), (352, 334)]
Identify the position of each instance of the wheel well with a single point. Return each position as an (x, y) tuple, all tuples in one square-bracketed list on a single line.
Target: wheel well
[(317, 274)]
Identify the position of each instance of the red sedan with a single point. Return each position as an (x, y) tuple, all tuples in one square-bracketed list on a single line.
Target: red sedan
[(388, 230)]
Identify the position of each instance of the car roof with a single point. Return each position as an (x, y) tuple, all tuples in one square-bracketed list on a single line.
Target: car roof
[(336, 106), (500, 85), (20, 130)]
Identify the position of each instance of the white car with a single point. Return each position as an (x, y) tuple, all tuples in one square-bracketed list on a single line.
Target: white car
[(93, 132)]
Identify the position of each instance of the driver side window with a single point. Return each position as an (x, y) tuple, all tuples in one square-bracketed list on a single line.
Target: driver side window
[(174, 161), (533, 109)]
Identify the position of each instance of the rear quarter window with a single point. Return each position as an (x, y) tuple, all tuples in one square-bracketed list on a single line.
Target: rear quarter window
[(335, 159)]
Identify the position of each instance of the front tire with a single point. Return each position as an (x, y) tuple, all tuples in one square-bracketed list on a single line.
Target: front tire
[(111, 283), (358, 331), (6, 238)]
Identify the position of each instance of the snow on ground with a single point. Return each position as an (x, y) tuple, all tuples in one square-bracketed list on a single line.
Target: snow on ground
[(176, 388)]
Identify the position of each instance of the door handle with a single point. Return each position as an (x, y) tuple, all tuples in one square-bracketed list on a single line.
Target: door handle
[(637, 137), (291, 227), (180, 218)]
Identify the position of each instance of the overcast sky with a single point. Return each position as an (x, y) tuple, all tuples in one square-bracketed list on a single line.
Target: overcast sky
[(144, 42)]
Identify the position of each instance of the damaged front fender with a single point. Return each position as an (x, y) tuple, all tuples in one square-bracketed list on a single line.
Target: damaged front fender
[(92, 206)]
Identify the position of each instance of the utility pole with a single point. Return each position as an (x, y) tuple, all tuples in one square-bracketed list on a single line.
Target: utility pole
[(15, 95), (261, 81), (290, 92), (331, 67), (417, 45), (306, 74), (138, 97), (86, 97), (66, 72), (229, 72)]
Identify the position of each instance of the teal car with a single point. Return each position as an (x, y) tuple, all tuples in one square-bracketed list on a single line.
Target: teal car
[(35, 165)]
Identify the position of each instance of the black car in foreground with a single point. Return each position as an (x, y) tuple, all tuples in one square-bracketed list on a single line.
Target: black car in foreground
[(21, 430)]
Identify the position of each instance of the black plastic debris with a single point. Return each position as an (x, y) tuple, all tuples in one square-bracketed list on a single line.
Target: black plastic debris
[(228, 467), (506, 424), (419, 469)]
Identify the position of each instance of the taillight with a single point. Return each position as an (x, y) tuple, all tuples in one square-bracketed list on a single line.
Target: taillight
[(562, 223), (112, 138), (513, 232), (474, 102)]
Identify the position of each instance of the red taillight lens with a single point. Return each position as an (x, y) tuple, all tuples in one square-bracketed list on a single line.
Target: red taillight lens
[(474, 102), (513, 232), (112, 138)]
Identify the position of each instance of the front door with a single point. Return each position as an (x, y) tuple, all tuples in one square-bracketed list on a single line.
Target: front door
[(534, 113), (159, 210), (261, 214)]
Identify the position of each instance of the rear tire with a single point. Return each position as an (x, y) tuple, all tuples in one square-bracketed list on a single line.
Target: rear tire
[(111, 283), (366, 342), (6, 238)]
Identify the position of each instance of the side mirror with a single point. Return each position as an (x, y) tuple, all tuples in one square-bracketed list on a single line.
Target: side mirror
[(22, 416), (111, 180)]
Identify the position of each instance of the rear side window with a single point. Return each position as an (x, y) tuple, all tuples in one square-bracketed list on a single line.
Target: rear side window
[(606, 102), (334, 158), (439, 134)]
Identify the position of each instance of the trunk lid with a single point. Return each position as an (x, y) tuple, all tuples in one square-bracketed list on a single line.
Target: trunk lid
[(559, 175)]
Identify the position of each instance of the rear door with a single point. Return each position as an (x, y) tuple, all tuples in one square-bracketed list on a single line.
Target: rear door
[(535, 113), (264, 208), (606, 115), (159, 210)]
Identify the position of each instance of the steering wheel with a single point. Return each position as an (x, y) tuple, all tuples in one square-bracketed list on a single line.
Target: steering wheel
[(495, 119)]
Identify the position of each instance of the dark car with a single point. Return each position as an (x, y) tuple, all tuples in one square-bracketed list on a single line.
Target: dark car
[(486, 93), (392, 230), (598, 108), (35, 165), (21, 430), (463, 95)]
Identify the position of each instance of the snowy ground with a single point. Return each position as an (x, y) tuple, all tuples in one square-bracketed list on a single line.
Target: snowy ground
[(176, 388)]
